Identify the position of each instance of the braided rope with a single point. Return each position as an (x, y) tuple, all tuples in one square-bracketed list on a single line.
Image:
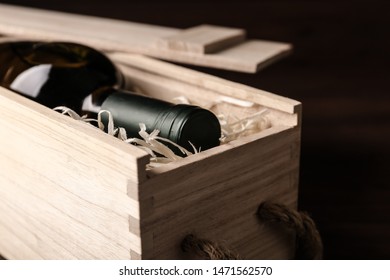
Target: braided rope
[(309, 244), (206, 249)]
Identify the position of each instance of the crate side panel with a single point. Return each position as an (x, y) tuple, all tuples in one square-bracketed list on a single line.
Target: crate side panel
[(78, 139), (217, 198), (215, 165), (64, 223), (71, 199)]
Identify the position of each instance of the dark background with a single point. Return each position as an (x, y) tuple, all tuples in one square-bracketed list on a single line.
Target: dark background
[(339, 71)]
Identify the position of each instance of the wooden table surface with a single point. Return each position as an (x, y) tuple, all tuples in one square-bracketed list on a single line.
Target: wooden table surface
[(339, 71)]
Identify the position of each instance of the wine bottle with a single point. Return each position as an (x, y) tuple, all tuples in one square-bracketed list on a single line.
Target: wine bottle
[(85, 80)]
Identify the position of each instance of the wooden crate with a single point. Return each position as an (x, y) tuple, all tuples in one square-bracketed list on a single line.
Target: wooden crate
[(70, 191)]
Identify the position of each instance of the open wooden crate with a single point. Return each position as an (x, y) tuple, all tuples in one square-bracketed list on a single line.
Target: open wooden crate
[(68, 190)]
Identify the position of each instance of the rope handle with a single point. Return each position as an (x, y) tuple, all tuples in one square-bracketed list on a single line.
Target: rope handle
[(308, 239)]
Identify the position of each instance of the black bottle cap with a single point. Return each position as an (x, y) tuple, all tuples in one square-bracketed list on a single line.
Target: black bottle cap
[(182, 123), (192, 124)]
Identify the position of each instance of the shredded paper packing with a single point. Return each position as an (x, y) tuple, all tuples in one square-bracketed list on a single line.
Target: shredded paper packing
[(232, 128)]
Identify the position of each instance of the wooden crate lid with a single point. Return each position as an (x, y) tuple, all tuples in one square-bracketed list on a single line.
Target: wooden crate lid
[(205, 45)]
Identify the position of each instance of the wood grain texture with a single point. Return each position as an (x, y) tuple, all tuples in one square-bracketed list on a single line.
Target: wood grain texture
[(96, 197), (203, 39), (115, 35), (217, 196), (198, 189), (207, 82), (64, 186), (345, 151)]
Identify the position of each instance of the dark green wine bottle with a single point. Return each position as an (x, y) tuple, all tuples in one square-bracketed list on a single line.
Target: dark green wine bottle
[(83, 79)]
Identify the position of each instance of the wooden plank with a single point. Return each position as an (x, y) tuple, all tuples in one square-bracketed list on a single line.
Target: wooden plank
[(205, 81), (116, 35), (78, 140), (12, 246), (203, 39), (239, 150), (51, 233), (219, 201), (232, 224), (67, 183)]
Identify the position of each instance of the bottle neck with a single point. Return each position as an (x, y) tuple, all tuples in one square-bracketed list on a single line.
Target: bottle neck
[(129, 109), (92, 104)]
